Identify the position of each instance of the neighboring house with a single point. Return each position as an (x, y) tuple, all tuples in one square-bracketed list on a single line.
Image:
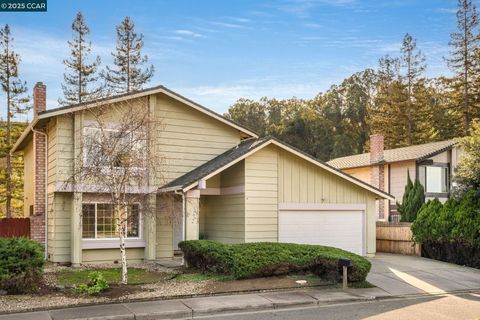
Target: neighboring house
[(432, 163), (227, 184)]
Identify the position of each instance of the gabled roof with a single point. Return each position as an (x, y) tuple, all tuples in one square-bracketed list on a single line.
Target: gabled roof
[(42, 116), (417, 152), (243, 150)]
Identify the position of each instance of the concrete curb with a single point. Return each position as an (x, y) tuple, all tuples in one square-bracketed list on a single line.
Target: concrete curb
[(189, 308)]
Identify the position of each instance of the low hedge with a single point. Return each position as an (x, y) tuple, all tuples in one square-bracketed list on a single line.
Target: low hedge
[(263, 259), (21, 265)]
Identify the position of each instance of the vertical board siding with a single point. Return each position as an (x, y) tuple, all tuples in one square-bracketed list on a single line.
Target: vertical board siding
[(52, 155), (261, 195), (188, 138), (303, 182), (225, 218)]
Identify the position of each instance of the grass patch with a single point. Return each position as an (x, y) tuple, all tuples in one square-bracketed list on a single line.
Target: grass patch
[(70, 277), (358, 285), (201, 277)]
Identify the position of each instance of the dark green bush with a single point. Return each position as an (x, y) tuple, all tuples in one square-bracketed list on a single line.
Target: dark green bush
[(21, 265), (454, 221), (450, 231), (413, 199), (261, 259)]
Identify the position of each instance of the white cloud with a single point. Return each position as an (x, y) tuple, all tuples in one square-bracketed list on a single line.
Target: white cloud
[(189, 33)]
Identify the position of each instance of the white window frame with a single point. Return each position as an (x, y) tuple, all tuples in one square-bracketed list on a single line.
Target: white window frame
[(140, 223), (85, 156)]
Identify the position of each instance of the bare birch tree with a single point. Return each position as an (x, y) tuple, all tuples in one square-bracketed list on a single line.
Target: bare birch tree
[(118, 160)]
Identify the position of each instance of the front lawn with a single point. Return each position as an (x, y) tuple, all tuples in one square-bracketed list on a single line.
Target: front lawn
[(74, 277)]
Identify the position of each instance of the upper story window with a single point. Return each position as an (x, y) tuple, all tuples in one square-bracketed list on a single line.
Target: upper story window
[(435, 179), (111, 148)]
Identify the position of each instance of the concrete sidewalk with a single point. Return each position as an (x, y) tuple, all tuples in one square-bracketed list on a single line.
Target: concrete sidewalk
[(201, 306)]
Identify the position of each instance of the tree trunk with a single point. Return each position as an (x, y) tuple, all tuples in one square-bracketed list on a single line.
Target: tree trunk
[(123, 254)]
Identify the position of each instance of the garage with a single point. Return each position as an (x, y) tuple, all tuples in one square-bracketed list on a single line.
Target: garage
[(341, 226)]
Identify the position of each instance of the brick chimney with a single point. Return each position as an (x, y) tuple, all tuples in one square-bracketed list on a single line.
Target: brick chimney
[(39, 98), (376, 148), (377, 172), (37, 220)]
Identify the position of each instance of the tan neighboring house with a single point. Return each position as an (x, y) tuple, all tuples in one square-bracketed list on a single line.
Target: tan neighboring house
[(432, 163), (227, 183)]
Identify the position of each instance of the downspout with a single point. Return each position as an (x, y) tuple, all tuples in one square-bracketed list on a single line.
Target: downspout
[(46, 191), (183, 220)]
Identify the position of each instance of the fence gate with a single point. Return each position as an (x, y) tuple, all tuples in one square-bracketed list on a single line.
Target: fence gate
[(15, 227)]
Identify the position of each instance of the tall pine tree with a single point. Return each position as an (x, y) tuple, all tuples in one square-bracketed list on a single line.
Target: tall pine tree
[(415, 113), (465, 45), (81, 84), (16, 101), (128, 73)]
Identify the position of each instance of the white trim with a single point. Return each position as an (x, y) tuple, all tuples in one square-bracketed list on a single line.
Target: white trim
[(92, 188), (112, 243), (152, 91), (223, 191), (299, 154), (96, 202), (323, 206)]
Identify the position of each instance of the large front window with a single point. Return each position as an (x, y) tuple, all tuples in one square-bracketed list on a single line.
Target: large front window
[(99, 221), (435, 179)]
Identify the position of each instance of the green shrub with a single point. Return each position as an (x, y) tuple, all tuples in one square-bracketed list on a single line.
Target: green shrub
[(96, 284), (261, 259), (413, 199), (21, 265), (454, 221)]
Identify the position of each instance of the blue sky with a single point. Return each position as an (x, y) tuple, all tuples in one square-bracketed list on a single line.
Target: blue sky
[(217, 51)]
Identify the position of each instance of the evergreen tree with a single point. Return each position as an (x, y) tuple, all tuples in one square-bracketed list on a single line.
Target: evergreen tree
[(465, 45), (16, 101), (81, 83), (128, 73), (413, 63), (387, 114)]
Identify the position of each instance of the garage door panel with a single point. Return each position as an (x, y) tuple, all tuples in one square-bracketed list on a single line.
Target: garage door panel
[(341, 229)]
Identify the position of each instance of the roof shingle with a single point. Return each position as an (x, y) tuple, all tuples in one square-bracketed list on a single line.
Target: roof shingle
[(417, 152)]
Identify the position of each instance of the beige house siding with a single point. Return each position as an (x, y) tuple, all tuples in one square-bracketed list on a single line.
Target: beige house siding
[(362, 173), (261, 195), (59, 226), (28, 189), (188, 138), (64, 149), (223, 216), (304, 182), (108, 255), (164, 227), (398, 177)]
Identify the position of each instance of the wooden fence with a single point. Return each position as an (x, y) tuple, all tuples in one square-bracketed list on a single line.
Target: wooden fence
[(14, 227), (396, 238)]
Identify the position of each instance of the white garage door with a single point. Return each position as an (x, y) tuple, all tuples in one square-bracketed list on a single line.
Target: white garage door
[(343, 229)]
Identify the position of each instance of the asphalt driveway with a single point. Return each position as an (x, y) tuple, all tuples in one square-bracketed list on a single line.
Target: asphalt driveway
[(403, 275)]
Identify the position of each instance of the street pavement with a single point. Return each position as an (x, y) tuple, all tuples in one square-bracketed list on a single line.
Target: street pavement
[(418, 281), (424, 307)]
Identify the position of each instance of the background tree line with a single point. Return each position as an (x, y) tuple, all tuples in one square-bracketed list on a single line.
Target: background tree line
[(395, 99)]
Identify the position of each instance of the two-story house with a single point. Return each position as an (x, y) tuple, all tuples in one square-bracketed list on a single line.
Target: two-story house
[(229, 185)]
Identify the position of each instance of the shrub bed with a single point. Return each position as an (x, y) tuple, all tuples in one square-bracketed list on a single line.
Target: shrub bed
[(450, 232), (21, 265), (263, 259)]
